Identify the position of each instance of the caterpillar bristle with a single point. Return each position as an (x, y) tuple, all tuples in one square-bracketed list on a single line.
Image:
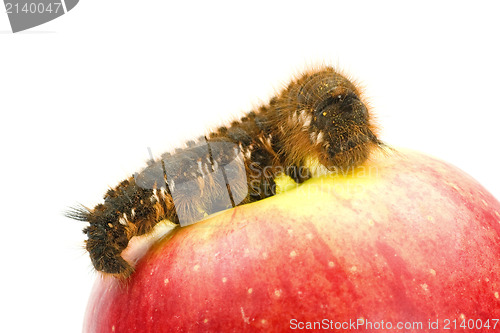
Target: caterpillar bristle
[(78, 213)]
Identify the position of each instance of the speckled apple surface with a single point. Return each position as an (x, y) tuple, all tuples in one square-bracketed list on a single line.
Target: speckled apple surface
[(404, 238)]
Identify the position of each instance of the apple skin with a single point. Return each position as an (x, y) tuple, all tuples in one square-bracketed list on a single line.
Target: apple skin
[(405, 237)]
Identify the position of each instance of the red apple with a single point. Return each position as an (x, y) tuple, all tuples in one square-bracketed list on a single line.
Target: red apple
[(404, 240)]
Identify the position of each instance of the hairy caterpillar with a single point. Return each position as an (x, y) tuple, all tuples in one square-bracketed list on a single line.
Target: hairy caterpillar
[(320, 115)]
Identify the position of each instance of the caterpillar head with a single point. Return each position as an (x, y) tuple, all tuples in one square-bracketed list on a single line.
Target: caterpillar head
[(330, 120)]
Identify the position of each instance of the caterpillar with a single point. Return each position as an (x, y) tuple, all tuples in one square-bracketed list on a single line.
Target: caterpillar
[(321, 115)]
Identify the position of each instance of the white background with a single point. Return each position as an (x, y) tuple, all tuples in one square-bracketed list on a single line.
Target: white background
[(83, 96)]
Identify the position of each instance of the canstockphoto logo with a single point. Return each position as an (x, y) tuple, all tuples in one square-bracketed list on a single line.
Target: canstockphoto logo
[(26, 14)]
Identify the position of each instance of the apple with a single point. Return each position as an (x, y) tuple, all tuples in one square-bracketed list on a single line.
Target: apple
[(404, 243)]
